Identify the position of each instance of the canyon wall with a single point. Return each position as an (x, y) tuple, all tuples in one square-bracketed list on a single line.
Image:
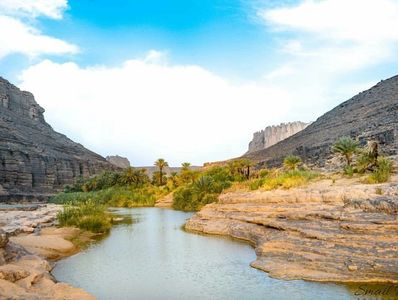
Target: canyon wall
[(274, 134), (36, 161)]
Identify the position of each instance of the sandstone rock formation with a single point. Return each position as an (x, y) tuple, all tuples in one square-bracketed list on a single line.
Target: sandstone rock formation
[(370, 115), (36, 161), (274, 134), (324, 232), (24, 272), (119, 161)]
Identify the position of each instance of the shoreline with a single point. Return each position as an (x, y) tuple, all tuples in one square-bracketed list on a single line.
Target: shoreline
[(343, 232), (27, 258)]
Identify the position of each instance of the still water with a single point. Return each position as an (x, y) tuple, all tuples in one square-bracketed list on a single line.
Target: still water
[(153, 258)]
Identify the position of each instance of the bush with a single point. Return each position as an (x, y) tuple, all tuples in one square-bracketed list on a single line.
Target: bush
[(256, 184), (127, 196), (349, 170), (86, 215), (291, 162), (382, 172), (288, 179)]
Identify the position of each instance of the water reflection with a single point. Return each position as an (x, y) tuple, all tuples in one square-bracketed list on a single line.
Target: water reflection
[(153, 258)]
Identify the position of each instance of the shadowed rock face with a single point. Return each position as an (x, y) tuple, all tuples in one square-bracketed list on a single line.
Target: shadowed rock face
[(36, 161), (370, 115)]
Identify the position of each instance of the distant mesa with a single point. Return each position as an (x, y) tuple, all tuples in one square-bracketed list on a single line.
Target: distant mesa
[(274, 134), (118, 161), (36, 161)]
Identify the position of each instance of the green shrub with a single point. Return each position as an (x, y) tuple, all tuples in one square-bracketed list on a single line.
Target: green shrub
[(349, 170), (256, 184), (291, 162), (288, 179), (382, 172), (86, 215), (346, 147), (263, 173), (127, 196)]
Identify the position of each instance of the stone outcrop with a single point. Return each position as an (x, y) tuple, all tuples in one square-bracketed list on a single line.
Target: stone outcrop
[(24, 272), (36, 161), (370, 115), (274, 134), (328, 231), (118, 161)]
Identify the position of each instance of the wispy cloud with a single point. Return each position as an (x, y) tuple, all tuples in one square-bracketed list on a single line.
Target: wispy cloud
[(34, 8), (323, 42), (338, 35), (18, 35)]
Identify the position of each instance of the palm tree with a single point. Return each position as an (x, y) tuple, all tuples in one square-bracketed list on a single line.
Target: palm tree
[(346, 146), (161, 164), (247, 164), (291, 162), (185, 166)]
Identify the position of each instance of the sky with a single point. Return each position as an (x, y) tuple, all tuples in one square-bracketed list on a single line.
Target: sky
[(192, 80)]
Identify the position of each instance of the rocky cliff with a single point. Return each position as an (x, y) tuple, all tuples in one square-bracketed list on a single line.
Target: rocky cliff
[(36, 161), (370, 115), (118, 161), (274, 134)]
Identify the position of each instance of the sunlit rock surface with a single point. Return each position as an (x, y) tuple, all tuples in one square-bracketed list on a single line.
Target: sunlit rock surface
[(343, 232)]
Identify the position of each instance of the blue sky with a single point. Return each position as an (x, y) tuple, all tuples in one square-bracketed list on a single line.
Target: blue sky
[(191, 80)]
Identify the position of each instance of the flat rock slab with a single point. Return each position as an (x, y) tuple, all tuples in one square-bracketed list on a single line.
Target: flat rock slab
[(340, 233)]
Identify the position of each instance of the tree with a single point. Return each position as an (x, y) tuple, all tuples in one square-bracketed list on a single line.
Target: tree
[(185, 166), (134, 176), (247, 164), (161, 164), (346, 146), (291, 162)]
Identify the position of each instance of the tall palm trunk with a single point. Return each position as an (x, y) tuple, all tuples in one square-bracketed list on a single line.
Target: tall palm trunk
[(161, 175)]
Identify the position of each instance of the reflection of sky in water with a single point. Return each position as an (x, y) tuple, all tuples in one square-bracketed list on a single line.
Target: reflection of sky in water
[(154, 259)]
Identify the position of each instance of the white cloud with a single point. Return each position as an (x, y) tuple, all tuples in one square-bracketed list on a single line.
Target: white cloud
[(34, 8), (351, 20), (338, 35), (17, 35), (146, 110), (321, 43)]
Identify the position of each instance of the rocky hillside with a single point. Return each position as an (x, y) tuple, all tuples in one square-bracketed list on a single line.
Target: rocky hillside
[(370, 115), (36, 161), (274, 134)]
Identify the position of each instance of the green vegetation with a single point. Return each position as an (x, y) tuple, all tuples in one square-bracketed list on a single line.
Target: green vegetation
[(346, 146), (86, 215), (292, 162), (159, 176), (367, 159), (288, 179), (383, 171), (203, 190), (117, 196)]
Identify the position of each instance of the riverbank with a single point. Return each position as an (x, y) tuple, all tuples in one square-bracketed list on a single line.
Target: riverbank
[(29, 244), (331, 230)]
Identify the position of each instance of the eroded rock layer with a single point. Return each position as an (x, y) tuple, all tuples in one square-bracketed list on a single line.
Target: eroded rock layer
[(36, 161), (320, 233)]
